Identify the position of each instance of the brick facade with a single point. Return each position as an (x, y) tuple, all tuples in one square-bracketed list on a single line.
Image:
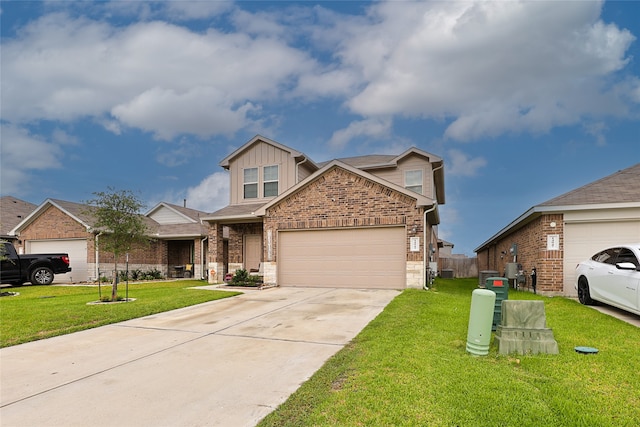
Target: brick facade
[(532, 252), (342, 199), (53, 224)]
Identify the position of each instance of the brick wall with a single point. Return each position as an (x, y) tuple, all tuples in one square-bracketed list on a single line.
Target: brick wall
[(339, 199), (532, 252), (53, 224)]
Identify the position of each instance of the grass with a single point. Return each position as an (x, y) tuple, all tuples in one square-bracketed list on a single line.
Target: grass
[(410, 367), (46, 311)]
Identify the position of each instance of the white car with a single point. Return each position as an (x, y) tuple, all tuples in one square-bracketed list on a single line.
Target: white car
[(611, 276)]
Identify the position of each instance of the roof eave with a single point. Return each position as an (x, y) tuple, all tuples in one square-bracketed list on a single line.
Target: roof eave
[(38, 211), (537, 211)]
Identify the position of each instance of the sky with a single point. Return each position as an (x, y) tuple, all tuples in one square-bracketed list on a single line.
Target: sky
[(524, 101)]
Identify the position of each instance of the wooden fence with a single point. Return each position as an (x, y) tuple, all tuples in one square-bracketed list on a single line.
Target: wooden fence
[(460, 266)]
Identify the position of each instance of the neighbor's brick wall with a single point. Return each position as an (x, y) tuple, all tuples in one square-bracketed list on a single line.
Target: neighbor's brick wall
[(339, 199), (53, 224), (532, 252)]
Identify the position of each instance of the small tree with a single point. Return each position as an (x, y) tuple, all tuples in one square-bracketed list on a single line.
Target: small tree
[(118, 214)]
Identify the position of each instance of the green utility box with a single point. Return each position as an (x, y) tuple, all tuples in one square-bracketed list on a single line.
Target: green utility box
[(500, 286), (479, 333)]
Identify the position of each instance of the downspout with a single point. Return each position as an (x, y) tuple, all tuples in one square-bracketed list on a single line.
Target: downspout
[(424, 226), (298, 164)]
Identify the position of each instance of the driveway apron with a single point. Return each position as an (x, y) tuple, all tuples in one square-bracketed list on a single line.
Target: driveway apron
[(224, 363)]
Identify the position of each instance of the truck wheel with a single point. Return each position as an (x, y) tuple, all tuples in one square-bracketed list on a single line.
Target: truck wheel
[(42, 276)]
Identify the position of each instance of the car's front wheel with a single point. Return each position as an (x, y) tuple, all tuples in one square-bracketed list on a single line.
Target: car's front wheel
[(42, 276), (583, 292)]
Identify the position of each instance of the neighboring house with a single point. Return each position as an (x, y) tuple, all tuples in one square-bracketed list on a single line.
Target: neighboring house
[(177, 239), (12, 212), (446, 249), (556, 235), (354, 222)]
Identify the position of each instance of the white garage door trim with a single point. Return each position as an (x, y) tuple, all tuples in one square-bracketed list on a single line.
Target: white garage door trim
[(373, 257), (77, 250), (583, 239)]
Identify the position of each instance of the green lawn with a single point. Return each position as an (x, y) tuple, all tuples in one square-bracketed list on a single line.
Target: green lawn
[(409, 367), (46, 311)]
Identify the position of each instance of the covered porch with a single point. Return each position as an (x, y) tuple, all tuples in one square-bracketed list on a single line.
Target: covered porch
[(236, 237)]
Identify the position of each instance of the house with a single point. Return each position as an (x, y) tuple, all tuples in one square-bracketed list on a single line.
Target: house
[(12, 212), (177, 240), (556, 235), (367, 222)]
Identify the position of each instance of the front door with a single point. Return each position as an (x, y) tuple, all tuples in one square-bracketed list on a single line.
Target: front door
[(252, 251)]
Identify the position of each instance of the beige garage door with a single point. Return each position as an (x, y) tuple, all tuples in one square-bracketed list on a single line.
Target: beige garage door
[(77, 250), (349, 258), (582, 240)]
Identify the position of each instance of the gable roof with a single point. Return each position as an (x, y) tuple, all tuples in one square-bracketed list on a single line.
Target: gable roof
[(381, 161), (82, 214), (182, 213), (78, 212), (378, 161), (12, 212), (297, 155), (421, 200), (619, 190)]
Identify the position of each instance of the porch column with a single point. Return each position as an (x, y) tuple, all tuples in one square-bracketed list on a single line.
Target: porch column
[(216, 262)]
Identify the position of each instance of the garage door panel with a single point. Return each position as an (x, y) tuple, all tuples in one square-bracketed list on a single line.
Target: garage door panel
[(362, 258), (77, 250), (582, 240)]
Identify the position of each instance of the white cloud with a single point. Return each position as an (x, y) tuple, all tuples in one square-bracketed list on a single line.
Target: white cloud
[(459, 164), (211, 194), (490, 67), (20, 153), (373, 128), (155, 76)]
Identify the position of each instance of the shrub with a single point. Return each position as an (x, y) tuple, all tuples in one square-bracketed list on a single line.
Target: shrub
[(241, 277)]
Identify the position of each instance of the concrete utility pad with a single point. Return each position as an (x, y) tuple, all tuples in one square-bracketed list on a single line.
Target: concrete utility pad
[(224, 363)]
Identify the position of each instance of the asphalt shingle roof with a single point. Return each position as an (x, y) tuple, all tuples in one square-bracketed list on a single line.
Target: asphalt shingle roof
[(620, 187), (12, 212)]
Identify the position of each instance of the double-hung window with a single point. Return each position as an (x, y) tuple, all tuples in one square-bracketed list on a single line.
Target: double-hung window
[(413, 180), (270, 181), (251, 183)]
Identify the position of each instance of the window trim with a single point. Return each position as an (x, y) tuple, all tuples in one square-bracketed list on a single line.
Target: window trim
[(414, 187), (270, 181), (246, 183)]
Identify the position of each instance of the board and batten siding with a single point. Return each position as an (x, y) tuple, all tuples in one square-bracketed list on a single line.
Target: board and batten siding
[(396, 175), (167, 216), (257, 156)]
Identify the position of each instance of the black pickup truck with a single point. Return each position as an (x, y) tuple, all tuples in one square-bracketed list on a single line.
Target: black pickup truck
[(38, 269)]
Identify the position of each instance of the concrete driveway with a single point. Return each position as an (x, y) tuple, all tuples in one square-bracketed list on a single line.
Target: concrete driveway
[(224, 363)]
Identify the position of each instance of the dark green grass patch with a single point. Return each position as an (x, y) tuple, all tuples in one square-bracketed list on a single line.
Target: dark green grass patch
[(46, 311), (410, 367)]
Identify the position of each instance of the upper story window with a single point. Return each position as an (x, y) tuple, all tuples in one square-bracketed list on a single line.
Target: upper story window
[(270, 181), (251, 183), (413, 181)]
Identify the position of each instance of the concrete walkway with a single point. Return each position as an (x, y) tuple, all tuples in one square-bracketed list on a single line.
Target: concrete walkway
[(224, 363), (623, 315)]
